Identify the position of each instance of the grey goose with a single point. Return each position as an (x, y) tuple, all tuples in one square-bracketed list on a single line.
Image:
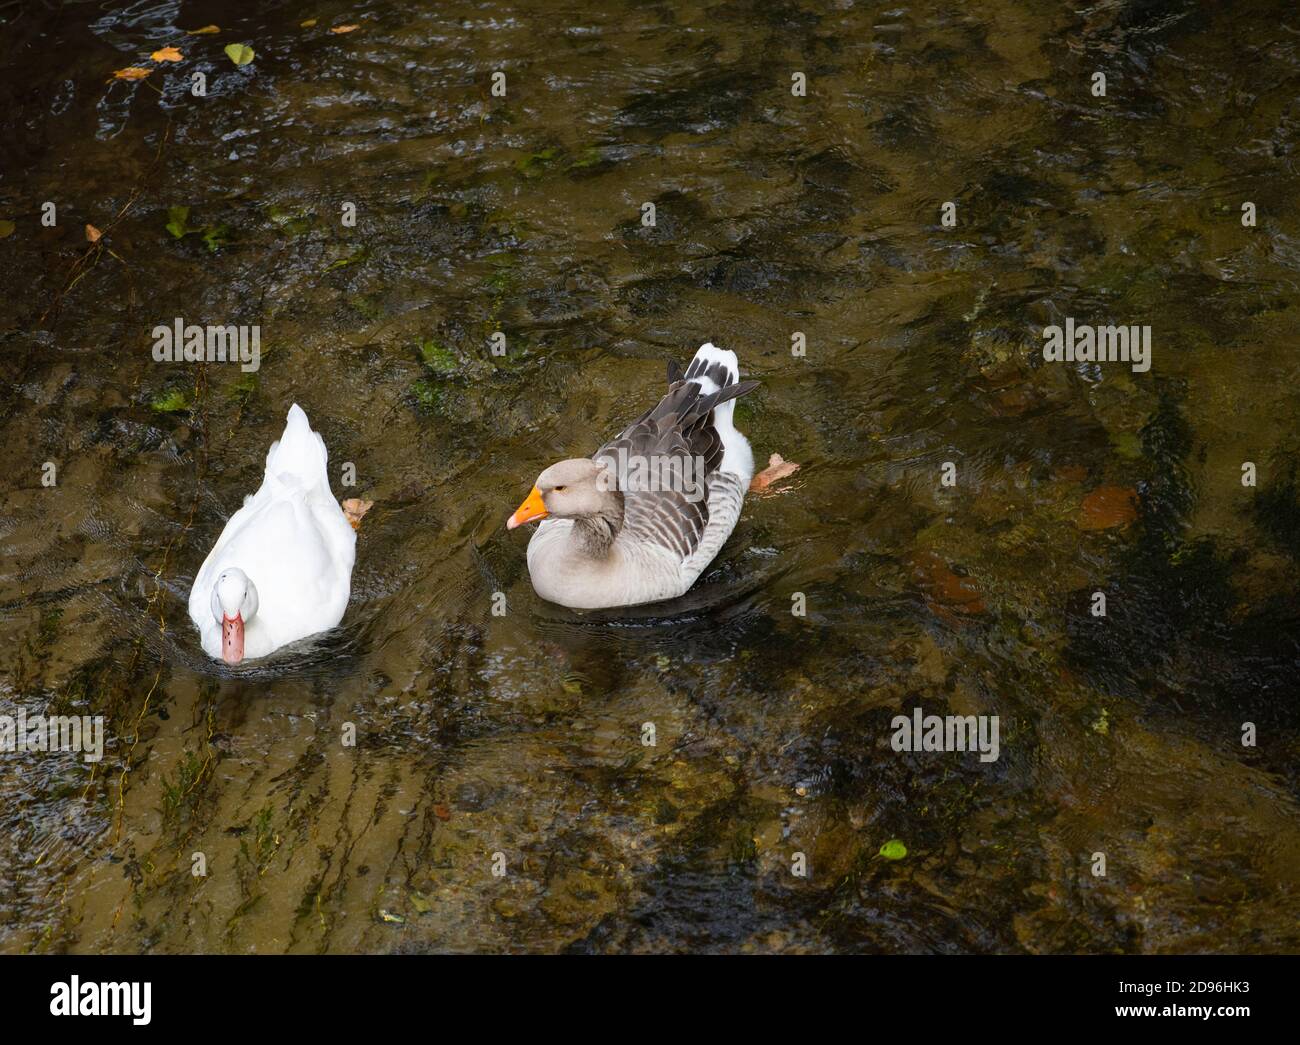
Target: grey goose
[(640, 519)]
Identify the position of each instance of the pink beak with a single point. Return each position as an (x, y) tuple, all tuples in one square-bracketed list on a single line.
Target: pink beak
[(232, 639)]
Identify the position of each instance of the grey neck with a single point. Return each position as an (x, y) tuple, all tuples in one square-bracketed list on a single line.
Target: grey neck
[(595, 534)]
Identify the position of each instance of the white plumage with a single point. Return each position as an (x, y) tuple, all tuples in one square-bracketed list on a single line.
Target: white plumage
[(293, 543)]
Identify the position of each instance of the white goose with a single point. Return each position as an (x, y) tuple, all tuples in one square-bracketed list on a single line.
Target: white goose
[(640, 520), (282, 568)]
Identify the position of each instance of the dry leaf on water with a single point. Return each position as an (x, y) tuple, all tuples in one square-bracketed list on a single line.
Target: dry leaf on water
[(344, 28), (167, 54), (93, 234), (354, 508), (777, 468), (133, 72), (308, 24), (203, 31), (945, 590), (1108, 506)]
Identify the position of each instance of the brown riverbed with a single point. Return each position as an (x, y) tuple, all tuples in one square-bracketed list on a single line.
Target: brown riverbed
[(521, 734)]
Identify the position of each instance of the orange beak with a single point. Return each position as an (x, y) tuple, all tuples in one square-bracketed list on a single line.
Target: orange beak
[(232, 638), (531, 509)]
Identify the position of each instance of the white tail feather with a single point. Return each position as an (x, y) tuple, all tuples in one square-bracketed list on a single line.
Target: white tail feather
[(709, 356), (299, 455), (737, 456)]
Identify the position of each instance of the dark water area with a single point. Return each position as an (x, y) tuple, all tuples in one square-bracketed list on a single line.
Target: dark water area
[(486, 742)]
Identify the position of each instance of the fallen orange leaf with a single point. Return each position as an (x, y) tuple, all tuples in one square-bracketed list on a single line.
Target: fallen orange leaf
[(777, 468), (354, 508), (134, 72), (201, 32), (93, 233), (167, 54), (344, 28), (1008, 402), (308, 24), (944, 589), (1108, 506)]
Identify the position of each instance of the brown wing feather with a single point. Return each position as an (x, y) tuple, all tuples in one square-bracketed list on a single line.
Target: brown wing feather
[(679, 426)]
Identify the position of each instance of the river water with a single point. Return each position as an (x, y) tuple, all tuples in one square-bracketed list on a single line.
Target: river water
[(499, 796)]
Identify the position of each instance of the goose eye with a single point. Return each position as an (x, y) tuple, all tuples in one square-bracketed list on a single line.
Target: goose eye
[(558, 489)]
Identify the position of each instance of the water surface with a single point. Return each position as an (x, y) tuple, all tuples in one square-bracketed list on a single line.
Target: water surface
[(521, 734)]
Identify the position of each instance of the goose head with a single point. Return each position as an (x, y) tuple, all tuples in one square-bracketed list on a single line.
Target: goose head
[(580, 489), (234, 604)]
